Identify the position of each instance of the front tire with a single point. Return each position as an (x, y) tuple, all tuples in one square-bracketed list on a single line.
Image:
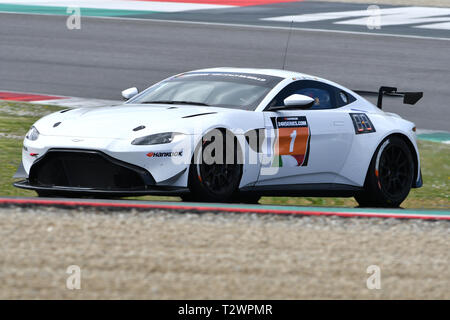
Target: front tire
[(217, 181), (390, 175), (45, 194)]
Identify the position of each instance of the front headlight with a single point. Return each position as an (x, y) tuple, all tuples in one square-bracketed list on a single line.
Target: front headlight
[(158, 138), (33, 134)]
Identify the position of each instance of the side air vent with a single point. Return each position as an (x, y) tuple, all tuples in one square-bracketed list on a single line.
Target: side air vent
[(56, 124)]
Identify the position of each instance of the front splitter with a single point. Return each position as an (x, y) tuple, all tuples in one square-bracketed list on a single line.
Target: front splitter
[(74, 192)]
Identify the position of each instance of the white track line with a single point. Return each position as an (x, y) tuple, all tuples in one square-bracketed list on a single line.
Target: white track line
[(251, 26), (427, 17), (73, 102)]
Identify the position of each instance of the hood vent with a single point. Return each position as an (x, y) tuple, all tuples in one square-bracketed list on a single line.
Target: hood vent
[(139, 128), (198, 114)]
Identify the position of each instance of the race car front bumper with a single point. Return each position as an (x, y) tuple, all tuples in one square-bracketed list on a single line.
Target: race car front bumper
[(91, 172)]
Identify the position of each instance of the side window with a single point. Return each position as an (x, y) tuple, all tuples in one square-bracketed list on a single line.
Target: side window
[(323, 98), (344, 98), (324, 95)]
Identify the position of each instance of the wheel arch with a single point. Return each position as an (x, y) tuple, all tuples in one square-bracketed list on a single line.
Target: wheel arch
[(195, 182), (411, 148), (250, 172), (414, 153)]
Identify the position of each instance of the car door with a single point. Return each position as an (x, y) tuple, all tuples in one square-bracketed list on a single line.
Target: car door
[(305, 146)]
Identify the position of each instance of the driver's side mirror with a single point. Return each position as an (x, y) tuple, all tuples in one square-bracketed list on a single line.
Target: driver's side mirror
[(129, 93), (295, 101), (298, 100)]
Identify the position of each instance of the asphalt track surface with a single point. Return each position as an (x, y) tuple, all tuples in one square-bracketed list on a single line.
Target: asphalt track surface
[(39, 54)]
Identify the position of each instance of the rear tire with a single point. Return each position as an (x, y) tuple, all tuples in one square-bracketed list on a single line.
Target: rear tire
[(218, 181), (390, 175)]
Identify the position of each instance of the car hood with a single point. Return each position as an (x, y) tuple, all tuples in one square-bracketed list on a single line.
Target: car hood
[(121, 122)]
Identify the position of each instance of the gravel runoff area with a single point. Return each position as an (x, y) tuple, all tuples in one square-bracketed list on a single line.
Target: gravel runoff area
[(426, 3), (164, 255)]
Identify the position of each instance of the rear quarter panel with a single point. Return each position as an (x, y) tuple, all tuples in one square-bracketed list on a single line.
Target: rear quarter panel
[(365, 145)]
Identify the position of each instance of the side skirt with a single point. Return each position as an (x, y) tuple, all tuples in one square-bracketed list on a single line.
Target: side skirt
[(305, 190)]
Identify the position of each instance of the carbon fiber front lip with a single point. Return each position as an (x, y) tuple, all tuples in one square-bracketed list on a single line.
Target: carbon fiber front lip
[(150, 190)]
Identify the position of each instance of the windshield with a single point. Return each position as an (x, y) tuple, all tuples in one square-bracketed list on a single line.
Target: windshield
[(218, 89)]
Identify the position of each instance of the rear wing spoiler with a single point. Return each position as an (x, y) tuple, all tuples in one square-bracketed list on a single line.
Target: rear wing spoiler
[(408, 97)]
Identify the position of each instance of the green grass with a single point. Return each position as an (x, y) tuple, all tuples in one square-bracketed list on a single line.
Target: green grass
[(17, 118)]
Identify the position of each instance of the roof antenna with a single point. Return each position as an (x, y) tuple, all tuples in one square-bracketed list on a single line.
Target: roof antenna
[(287, 44)]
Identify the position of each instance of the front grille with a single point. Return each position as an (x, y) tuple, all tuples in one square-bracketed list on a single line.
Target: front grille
[(87, 169)]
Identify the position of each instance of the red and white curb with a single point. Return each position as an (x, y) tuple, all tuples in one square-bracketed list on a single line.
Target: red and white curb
[(226, 208), (144, 6), (62, 101)]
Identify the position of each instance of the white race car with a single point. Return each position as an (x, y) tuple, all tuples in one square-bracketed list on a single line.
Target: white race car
[(229, 134)]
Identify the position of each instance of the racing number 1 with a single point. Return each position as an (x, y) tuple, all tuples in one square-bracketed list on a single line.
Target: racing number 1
[(292, 140), (291, 146)]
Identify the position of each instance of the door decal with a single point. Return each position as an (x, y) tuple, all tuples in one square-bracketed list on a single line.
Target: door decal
[(292, 141)]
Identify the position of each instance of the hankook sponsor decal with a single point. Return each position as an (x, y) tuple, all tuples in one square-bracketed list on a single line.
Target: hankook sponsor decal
[(165, 154)]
